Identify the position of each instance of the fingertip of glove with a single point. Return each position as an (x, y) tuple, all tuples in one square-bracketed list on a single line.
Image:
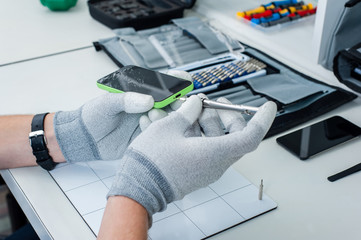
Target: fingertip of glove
[(269, 108), (144, 122), (191, 108), (137, 102), (202, 95), (156, 114), (176, 104), (264, 117)]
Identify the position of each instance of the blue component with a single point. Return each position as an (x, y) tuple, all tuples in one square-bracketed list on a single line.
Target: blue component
[(256, 20), (274, 17), (268, 4), (286, 13), (197, 84), (224, 67), (233, 65), (286, 2)]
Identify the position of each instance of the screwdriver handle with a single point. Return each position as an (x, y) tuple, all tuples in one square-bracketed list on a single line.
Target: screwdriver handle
[(226, 106)]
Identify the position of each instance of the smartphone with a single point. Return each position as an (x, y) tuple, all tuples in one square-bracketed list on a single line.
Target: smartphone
[(319, 137), (163, 88)]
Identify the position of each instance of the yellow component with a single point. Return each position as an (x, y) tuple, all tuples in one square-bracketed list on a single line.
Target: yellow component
[(283, 11), (292, 9), (240, 14), (260, 9), (303, 7)]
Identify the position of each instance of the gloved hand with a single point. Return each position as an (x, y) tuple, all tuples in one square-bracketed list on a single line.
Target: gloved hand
[(208, 121), (163, 165), (102, 128)]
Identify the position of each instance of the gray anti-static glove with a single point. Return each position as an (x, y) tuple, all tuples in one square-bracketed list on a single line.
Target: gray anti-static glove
[(209, 120), (102, 128), (163, 165)]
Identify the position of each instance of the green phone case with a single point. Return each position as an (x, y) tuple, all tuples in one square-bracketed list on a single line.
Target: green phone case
[(161, 104)]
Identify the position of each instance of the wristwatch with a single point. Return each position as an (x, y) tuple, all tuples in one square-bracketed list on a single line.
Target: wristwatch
[(38, 143)]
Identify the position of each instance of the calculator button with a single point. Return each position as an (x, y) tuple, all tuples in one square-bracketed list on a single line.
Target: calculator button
[(129, 5)]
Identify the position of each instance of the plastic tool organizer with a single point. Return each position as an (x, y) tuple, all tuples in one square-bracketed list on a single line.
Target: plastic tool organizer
[(139, 14), (276, 13)]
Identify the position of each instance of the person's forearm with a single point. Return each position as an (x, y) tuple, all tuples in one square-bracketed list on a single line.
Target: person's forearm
[(124, 218), (15, 150)]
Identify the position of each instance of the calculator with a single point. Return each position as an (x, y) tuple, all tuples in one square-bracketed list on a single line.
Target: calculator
[(139, 14)]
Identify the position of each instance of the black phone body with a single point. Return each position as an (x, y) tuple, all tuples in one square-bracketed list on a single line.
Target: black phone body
[(319, 137), (163, 88)]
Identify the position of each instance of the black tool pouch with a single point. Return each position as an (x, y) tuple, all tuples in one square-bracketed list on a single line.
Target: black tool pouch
[(347, 67), (299, 97)]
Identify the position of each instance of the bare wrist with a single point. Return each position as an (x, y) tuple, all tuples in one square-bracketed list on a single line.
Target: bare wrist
[(124, 218), (52, 143)]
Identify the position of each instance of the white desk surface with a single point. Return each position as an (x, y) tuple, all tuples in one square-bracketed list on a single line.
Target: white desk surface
[(309, 207), (30, 30)]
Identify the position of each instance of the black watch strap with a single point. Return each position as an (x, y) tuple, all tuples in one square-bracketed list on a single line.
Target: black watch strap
[(38, 143)]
